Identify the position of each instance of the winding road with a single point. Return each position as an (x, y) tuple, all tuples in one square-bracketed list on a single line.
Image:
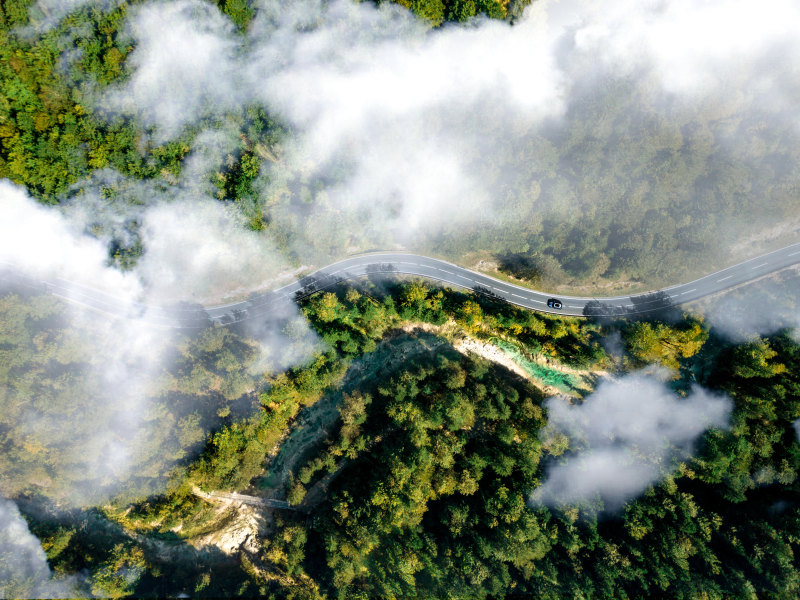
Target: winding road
[(387, 264)]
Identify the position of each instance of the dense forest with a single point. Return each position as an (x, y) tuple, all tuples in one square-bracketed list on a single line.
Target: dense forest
[(401, 452), (441, 509), (51, 374), (621, 188), (420, 481)]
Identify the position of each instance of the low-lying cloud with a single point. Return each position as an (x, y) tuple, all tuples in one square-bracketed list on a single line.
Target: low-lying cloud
[(24, 572), (201, 250), (623, 438), (761, 308), (494, 137), (102, 422), (42, 243), (184, 66)]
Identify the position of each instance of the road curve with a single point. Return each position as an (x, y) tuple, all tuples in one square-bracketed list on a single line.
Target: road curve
[(388, 264)]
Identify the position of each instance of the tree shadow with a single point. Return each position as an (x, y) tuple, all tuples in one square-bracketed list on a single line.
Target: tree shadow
[(379, 273), (189, 315), (521, 266), (316, 283), (489, 300), (174, 567), (656, 305)]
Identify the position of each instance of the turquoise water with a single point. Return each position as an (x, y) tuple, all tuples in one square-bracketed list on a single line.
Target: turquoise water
[(564, 382)]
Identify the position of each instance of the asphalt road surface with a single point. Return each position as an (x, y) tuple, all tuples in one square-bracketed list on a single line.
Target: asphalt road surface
[(382, 265)]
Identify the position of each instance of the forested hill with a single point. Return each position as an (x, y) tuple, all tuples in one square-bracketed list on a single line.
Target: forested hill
[(416, 432), (621, 188), (49, 136), (412, 465)]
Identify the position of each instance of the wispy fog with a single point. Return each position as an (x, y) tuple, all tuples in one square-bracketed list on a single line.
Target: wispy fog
[(623, 438), (761, 308), (606, 137), (101, 422), (45, 14), (184, 65), (24, 572), (496, 137)]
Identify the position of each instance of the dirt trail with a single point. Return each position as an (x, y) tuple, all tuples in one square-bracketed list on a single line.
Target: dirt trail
[(252, 515), (246, 521), (243, 498)]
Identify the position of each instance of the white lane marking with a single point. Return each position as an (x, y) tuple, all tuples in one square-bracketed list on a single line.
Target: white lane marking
[(573, 306), (724, 278), (517, 295), (392, 257), (758, 266), (688, 291), (675, 296), (726, 268)]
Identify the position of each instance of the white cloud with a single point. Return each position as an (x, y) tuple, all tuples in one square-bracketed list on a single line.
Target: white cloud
[(406, 134), (199, 249), (184, 65), (44, 244), (114, 432), (121, 358), (24, 572), (624, 437), (337, 80), (401, 110), (693, 47)]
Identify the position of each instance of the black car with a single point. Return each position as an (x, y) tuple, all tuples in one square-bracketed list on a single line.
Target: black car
[(554, 303)]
